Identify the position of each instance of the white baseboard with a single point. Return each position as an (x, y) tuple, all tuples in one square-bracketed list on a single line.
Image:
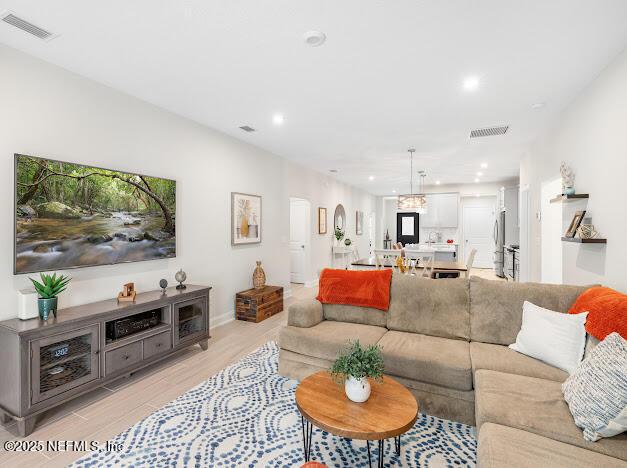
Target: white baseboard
[(222, 319), (311, 284)]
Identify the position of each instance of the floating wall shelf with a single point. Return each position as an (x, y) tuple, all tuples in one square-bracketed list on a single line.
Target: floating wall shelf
[(565, 198), (584, 241)]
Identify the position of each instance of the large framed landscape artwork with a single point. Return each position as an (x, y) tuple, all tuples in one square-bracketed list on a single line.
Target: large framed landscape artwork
[(69, 215), (245, 218)]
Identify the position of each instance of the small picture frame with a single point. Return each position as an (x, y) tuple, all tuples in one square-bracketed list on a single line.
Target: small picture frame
[(322, 220), (574, 224)]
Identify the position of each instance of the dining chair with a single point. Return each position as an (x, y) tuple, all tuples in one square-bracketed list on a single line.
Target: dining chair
[(386, 257), (427, 271), (470, 261)]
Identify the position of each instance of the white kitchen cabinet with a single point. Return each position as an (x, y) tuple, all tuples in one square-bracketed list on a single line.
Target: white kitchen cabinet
[(442, 211)]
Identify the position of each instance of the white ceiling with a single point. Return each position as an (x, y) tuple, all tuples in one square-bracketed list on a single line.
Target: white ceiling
[(389, 76)]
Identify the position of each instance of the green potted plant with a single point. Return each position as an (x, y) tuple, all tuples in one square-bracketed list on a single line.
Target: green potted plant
[(354, 366), (49, 289), (338, 234)]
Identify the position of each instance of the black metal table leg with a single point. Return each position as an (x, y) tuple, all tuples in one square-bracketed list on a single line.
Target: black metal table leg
[(369, 459), (307, 429), (397, 444), (381, 453)]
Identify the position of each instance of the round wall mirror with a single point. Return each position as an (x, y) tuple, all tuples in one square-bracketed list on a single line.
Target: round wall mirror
[(339, 218)]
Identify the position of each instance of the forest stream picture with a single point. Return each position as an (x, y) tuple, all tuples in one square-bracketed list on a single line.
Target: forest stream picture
[(70, 215)]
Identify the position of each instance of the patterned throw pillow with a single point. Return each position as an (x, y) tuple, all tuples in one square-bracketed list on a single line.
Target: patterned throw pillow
[(596, 392)]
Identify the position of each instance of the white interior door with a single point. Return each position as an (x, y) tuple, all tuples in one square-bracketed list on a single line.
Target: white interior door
[(299, 221), (478, 225), (372, 233)]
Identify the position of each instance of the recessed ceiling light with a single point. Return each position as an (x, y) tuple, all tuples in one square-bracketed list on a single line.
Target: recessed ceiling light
[(437, 182), (471, 83), (484, 165), (393, 191), (314, 38), (476, 194), (477, 180), (538, 105), (333, 170), (278, 119), (371, 177), (479, 174)]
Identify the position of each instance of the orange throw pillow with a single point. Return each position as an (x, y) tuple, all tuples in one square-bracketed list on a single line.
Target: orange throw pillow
[(607, 311), (356, 287)]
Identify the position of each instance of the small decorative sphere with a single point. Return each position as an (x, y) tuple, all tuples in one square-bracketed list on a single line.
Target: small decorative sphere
[(163, 283), (347, 242), (180, 276)]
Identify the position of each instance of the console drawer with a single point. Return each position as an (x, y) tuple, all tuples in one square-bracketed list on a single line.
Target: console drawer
[(157, 344), (123, 357)]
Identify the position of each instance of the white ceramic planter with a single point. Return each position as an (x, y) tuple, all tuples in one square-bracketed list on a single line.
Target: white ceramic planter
[(357, 390)]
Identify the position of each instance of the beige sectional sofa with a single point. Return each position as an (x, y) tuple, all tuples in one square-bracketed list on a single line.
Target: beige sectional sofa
[(446, 340)]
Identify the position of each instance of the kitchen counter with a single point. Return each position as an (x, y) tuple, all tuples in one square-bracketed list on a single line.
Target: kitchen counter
[(443, 251)]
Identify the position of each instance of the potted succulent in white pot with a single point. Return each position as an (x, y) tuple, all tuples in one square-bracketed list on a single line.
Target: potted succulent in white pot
[(354, 366), (49, 289)]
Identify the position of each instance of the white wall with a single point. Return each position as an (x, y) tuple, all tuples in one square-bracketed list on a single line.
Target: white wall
[(326, 192), (590, 136), (47, 111)]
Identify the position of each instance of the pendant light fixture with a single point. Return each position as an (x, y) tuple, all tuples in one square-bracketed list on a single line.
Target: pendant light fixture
[(413, 203)]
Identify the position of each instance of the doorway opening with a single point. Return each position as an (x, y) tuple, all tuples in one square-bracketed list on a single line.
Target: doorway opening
[(300, 240), (478, 228), (372, 233)]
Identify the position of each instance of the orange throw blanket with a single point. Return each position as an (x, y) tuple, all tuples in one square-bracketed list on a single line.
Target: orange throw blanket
[(607, 311), (356, 287)]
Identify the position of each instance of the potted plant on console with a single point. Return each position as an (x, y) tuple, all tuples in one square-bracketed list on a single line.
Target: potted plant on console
[(354, 366), (49, 289)]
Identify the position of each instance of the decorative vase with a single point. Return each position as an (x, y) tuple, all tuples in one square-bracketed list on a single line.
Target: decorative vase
[(569, 190), (259, 277), (46, 306), (347, 242), (357, 390)]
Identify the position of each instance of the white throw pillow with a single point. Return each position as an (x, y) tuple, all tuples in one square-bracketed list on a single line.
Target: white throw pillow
[(552, 337), (596, 392)]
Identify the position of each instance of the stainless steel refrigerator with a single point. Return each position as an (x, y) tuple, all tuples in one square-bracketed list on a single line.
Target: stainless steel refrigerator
[(499, 242)]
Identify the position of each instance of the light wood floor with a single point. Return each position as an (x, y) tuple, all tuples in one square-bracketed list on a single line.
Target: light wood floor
[(104, 413)]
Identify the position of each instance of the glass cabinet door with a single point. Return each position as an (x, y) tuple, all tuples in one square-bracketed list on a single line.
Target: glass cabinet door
[(190, 319), (62, 362)]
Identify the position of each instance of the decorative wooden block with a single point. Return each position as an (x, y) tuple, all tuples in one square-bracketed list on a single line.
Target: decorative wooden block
[(128, 293), (255, 305)]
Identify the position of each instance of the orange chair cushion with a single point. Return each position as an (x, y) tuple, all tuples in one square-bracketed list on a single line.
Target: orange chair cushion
[(356, 287), (607, 311), (313, 464)]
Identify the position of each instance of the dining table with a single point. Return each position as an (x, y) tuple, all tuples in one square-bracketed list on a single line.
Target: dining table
[(438, 266)]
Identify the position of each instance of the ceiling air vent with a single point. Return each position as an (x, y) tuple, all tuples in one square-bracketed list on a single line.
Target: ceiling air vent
[(490, 131), (25, 26), (247, 128)]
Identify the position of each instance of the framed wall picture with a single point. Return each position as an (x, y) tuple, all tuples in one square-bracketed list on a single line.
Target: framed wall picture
[(574, 224), (245, 218), (322, 220), (359, 223)]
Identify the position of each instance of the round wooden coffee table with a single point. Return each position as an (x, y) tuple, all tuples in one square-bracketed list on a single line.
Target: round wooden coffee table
[(390, 411)]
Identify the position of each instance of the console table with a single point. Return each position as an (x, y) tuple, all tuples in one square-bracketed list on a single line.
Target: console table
[(46, 363)]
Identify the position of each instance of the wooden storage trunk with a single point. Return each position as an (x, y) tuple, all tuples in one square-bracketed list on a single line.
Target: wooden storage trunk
[(255, 305)]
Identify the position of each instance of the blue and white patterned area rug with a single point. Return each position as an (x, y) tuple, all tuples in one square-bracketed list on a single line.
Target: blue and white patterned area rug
[(246, 416)]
